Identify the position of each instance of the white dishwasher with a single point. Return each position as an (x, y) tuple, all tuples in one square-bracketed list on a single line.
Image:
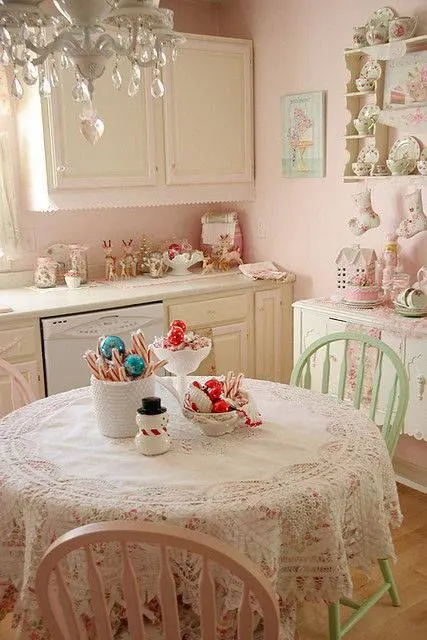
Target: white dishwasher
[(66, 338)]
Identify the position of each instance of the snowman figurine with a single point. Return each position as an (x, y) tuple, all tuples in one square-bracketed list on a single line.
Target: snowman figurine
[(152, 420)]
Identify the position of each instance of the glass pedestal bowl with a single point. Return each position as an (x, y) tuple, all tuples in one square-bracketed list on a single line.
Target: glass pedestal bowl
[(182, 362)]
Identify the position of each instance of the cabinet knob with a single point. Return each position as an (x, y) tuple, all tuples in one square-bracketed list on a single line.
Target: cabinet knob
[(61, 168)]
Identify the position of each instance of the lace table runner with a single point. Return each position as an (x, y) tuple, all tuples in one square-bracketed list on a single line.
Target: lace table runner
[(301, 496), (383, 316)]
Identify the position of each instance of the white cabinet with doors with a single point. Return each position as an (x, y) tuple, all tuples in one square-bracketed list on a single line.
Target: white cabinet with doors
[(251, 330), (193, 145), (20, 345)]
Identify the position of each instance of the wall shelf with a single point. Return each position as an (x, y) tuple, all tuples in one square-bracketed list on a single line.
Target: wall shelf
[(359, 94), (410, 43), (411, 179), (360, 136)]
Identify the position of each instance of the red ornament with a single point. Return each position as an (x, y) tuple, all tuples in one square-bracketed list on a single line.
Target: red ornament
[(175, 336), (220, 406), (197, 384), (213, 383), (214, 393), (179, 323), (173, 250)]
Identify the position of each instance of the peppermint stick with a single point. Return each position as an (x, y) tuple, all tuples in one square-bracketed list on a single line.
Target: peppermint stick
[(139, 344), (90, 358)]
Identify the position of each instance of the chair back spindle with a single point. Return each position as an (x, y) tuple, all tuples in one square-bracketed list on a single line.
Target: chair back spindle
[(56, 604), (389, 394)]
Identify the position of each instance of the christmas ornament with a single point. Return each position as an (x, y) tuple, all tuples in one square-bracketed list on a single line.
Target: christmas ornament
[(109, 343), (367, 218), (179, 323), (134, 365), (415, 219), (175, 336)]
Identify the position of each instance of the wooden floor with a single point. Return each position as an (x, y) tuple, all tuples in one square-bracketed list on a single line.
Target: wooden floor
[(383, 621)]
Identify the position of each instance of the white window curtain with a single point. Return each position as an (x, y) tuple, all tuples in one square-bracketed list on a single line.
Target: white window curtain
[(10, 237)]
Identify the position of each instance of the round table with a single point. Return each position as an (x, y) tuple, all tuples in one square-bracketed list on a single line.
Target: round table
[(303, 495)]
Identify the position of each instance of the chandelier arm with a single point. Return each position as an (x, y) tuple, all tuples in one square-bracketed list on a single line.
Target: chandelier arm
[(58, 44)]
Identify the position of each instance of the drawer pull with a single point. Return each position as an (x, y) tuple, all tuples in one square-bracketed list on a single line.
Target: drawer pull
[(421, 382)]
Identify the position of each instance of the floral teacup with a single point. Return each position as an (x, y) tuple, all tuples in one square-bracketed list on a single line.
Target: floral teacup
[(402, 28), (422, 167), (359, 36), (363, 126), (361, 168), (365, 84), (377, 34)]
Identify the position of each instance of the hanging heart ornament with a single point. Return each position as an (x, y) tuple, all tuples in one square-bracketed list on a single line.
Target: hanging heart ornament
[(92, 128)]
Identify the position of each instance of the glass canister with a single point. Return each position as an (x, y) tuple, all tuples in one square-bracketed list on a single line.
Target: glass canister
[(78, 260), (399, 283), (45, 273)]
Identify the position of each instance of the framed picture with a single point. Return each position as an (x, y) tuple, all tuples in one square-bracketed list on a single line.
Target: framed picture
[(405, 81), (303, 135)]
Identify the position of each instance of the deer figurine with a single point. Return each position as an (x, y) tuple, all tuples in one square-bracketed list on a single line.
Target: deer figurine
[(110, 261), (129, 259)]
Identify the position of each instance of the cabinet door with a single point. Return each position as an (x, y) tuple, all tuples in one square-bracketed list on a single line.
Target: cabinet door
[(416, 366), (125, 155), (208, 112), (7, 403), (229, 352), (268, 335)]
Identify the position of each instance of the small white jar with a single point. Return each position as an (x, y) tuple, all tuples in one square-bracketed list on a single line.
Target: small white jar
[(152, 420), (72, 279)]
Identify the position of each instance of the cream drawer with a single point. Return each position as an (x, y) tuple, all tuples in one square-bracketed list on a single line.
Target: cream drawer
[(209, 312), (17, 343)]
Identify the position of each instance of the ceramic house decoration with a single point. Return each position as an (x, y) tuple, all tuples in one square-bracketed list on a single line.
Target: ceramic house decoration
[(354, 261)]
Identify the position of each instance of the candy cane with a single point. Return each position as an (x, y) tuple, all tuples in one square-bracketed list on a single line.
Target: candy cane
[(123, 375), (139, 345), (100, 339), (158, 365), (90, 358), (116, 359), (101, 372), (113, 374)]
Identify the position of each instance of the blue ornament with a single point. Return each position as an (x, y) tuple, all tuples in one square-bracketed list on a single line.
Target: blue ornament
[(109, 343), (134, 365)]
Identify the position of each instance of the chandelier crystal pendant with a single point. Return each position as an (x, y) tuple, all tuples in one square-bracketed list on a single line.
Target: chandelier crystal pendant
[(82, 36)]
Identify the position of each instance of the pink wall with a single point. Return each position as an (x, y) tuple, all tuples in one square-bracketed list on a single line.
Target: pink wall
[(298, 47), (92, 226)]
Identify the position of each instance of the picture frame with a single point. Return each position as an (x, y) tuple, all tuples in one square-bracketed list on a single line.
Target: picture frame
[(303, 134), (405, 81)]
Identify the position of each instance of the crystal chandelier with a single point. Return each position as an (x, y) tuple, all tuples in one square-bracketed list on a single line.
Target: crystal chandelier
[(82, 35)]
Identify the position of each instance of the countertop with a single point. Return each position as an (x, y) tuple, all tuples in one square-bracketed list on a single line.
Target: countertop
[(29, 302)]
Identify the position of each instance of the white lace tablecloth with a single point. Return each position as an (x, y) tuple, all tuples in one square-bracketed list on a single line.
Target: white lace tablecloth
[(304, 495)]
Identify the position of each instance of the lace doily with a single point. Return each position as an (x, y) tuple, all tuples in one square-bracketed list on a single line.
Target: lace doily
[(302, 496)]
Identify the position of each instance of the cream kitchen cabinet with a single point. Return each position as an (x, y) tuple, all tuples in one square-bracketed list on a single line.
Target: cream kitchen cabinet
[(20, 345), (251, 330), (193, 145)]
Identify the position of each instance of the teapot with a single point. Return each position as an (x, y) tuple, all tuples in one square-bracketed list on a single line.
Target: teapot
[(421, 282)]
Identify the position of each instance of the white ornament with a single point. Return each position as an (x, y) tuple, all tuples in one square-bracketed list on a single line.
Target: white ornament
[(415, 219)]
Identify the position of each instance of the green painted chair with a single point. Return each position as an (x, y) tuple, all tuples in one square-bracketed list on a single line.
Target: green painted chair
[(396, 396)]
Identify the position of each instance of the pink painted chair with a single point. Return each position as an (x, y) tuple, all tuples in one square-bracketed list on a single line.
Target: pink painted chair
[(20, 390), (56, 604)]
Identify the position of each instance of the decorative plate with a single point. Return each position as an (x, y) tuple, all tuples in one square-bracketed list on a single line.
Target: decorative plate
[(371, 70), (382, 15), (405, 149), (369, 154), (365, 304), (369, 113), (410, 313)]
